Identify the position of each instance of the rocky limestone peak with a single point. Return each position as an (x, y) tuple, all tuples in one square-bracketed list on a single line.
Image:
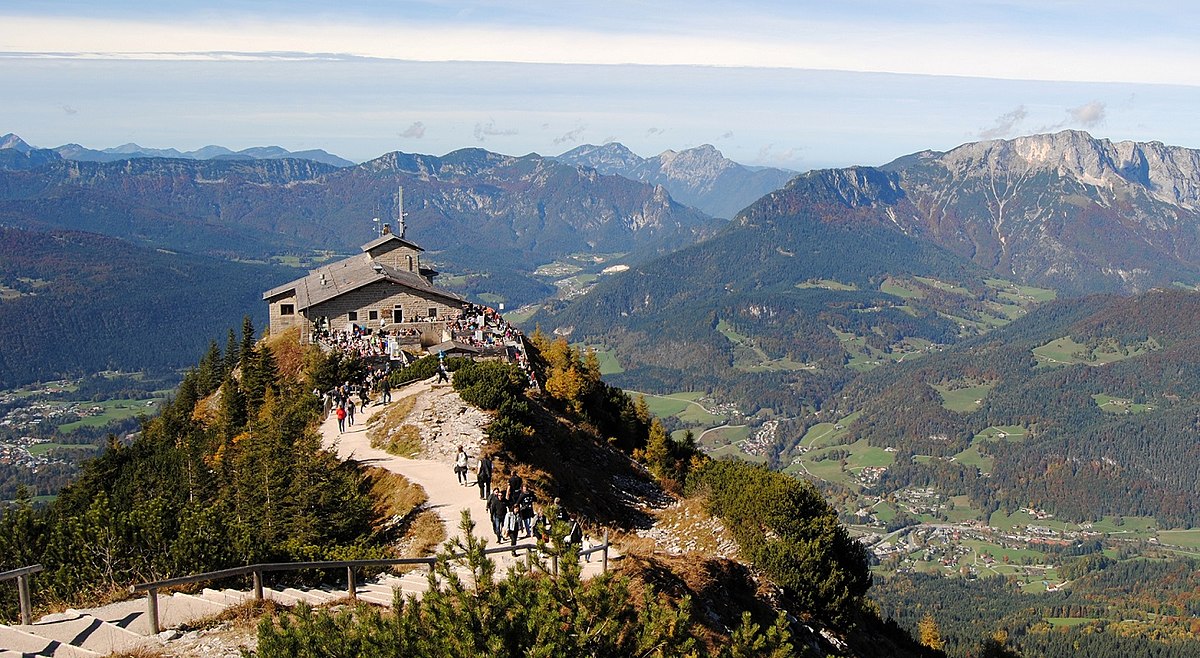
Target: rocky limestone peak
[(610, 158), (1168, 173), (11, 141), (703, 162)]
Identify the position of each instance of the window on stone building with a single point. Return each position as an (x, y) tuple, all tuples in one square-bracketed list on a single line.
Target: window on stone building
[(397, 315), (372, 315), (433, 311), (287, 309), (352, 316)]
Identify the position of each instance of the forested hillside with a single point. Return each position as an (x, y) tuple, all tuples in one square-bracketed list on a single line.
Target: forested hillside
[(232, 472), (1107, 389), (805, 293), (79, 303)]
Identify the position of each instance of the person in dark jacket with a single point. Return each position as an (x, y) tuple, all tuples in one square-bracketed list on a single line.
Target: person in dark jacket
[(497, 507), (483, 477)]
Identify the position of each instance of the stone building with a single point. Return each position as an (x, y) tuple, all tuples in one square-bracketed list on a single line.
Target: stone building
[(383, 288)]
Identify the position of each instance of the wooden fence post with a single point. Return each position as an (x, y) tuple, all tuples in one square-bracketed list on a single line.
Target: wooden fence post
[(23, 595), (606, 550), (258, 586), (152, 610), (351, 586)]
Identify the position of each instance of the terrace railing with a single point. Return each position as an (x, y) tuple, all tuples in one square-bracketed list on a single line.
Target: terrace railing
[(258, 570), (22, 577)]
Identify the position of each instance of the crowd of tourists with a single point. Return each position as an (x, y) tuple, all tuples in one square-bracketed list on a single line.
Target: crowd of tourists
[(343, 399), (483, 327), (361, 341), (514, 509)]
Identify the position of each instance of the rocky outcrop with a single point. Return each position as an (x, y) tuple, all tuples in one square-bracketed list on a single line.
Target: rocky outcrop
[(1066, 210)]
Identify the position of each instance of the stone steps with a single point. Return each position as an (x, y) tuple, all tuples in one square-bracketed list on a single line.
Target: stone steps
[(21, 643), (125, 625), (85, 631)]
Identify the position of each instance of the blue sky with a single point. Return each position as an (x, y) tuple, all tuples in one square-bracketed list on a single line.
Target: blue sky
[(794, 84)]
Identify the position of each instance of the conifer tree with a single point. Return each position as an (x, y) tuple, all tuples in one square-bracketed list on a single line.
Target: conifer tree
[(232, 351), (928, 633), (231, 416), (247, 348), (259, 373), (211, 369)]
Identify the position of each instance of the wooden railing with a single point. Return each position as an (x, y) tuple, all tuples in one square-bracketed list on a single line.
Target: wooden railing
[(257, 571), (22, 575)]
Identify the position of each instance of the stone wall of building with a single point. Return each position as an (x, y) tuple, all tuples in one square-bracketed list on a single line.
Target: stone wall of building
[(398, 255), (279, 321), (382, 297)]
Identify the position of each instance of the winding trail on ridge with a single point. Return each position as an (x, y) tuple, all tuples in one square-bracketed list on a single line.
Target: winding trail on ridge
[(446, 496)]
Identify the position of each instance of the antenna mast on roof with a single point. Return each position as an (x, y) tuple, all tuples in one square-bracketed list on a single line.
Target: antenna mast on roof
[(400, 212)]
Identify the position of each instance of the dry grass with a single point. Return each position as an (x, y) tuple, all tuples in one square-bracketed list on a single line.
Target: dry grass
[(389, 432), (140, 652), (393, 494), (720, 591), (695, 530), (400, 502), (243, 615), (425, 535), (290, 355)]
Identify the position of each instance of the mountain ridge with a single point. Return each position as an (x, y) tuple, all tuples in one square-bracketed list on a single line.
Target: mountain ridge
[(131, 150), (701, 176), (492, 218), (1062, 210)]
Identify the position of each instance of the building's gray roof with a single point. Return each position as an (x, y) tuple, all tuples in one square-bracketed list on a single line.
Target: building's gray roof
[(388, 237), (325, 283)]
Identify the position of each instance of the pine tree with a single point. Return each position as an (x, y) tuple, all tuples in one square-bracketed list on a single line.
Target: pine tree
[(232, 352), (211, 370), (231, 417), (259, 373), (247, 348)]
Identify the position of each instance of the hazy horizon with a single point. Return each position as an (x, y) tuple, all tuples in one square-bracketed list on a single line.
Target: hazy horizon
[(794, 85)]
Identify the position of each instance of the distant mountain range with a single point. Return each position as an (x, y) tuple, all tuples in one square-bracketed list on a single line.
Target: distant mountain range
[(699, 177), (131, 151), (1066, 210), (495, 218), (877, 256)]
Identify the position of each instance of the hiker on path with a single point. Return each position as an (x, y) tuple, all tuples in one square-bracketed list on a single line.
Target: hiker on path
[(497, 507), (525, 503), (460, 466), (349, 411), (483, 477), (387, 390), (514, 486), (443, 376), (512, 522), (341, 416)]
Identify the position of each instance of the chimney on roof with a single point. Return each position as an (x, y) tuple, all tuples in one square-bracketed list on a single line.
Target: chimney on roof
[(387, 228)]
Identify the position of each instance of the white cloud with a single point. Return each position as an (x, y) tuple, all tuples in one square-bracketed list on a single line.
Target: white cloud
[(1088, 115), (571, 135), (415, 131), (1005, 123), (489, 129)]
